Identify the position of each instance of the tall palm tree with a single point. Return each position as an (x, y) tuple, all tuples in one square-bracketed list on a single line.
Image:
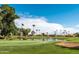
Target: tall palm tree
[(22, 24), (65, 32), (55, 33), (33, 32), (38, 30), (60, 32), (21, 33), (33, 26)]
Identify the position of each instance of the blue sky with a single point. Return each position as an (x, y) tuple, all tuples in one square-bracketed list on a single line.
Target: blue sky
[(65, 14), (48, 17)]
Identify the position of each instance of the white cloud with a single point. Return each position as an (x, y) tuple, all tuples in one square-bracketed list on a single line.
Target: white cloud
[(42, 24)]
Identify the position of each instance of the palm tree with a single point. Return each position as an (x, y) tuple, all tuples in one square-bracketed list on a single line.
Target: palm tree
[(38, 31), (65, 32), (22, 24), (21, 34), (33, 32), (33, 26), (60, 32), (68, 32), (55, 33)]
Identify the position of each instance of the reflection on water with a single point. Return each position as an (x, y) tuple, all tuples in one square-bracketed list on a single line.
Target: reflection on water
[(54, 40), (50, 39)]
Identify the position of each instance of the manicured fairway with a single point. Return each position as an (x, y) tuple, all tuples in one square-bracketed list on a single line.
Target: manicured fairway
[(20, 46), (33, 47), (20, 42)]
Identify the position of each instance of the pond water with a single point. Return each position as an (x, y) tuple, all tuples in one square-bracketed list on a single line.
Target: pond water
[(49, 40), (54, 40)]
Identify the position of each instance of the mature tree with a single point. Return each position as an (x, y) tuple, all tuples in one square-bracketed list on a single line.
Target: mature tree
[(26, 31), (76, 34), (7, 17)]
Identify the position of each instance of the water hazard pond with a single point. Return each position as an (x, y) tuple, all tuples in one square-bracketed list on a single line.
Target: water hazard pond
[(49, 40)]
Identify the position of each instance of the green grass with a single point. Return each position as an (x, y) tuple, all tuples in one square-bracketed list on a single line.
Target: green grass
[(35, 47), (72, 39)]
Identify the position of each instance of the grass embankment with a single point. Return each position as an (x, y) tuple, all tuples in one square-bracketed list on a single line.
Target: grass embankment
[(72, 39), (69, 39)]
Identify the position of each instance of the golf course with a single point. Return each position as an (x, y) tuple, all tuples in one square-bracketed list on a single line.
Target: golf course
[(38, 29), (35, 47)]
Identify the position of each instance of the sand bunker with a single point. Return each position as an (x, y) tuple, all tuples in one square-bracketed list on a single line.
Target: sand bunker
[(68, 44)]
